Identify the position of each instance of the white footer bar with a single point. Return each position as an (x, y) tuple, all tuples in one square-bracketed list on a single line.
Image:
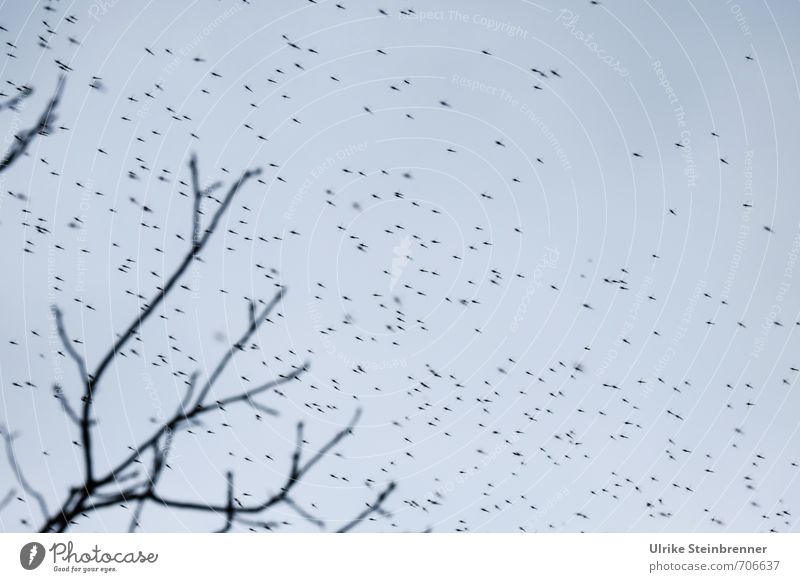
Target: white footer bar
[(355, 557)]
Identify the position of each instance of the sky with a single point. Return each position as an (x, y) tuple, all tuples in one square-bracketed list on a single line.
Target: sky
[(548, 248)]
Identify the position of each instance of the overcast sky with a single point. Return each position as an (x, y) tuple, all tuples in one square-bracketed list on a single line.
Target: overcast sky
[(545, 331)]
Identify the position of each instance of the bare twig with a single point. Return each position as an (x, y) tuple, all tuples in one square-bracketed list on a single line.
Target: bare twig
[(303, 513), (183, 417), (253, 325), (67, 343), (8, 498), (58, 394), (198, 195), (230, 510), (23, 482), (84, 422), (42, 127), (261, 408), (247, 396), (187, 398), (298, 451), (234, 511), (328, 446), (159, 463), (298, 470), (375, 507), (251, 311), (197, 199)]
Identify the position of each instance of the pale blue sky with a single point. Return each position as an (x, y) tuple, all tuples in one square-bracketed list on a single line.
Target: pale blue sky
[(632, 77)]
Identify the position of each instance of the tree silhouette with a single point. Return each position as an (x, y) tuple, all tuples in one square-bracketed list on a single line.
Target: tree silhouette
[(124, 484)]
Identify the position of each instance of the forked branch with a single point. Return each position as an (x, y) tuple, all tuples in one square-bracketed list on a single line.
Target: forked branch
[(124, 483)]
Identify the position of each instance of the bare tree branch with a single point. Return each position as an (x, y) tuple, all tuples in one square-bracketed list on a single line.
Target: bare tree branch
[(298, 451), (303, 513), (187, 398), (58, 394), (330, 444), (123, 484), (42, 127), (295, 475), (251, 311), (9, 497), (12, 461), (247, 396), (254, 324), (160, 457), (67, 343), (375, 507), (84, 422), (183, 417), (230, 510), (90, 484), (198, 196), (261, 408), (234, 510), (173, 279), (94, 379)]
